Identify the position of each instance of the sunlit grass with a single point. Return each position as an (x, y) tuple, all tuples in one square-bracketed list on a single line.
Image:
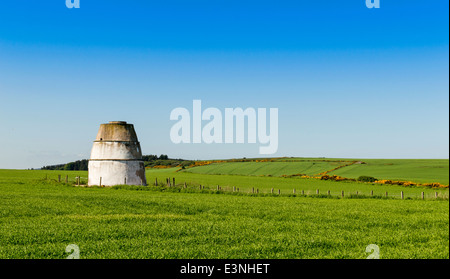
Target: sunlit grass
[(39, 218)]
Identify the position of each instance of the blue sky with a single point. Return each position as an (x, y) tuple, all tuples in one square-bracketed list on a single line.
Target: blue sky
[(349, 82)]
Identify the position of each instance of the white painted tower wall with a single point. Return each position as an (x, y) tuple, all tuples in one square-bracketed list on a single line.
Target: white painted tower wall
[(116, 156)]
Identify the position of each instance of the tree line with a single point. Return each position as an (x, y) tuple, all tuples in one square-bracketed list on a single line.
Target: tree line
[(149, 160), (77, 165)]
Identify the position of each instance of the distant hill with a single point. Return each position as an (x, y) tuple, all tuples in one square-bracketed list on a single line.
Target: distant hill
[(410, 170)]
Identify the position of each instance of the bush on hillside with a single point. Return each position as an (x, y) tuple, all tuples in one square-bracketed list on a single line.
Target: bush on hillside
[(364, 178)]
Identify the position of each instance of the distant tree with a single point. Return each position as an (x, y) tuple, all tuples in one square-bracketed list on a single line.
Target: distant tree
[(149, 161), (77, 165), (69, 166), (148, 158)]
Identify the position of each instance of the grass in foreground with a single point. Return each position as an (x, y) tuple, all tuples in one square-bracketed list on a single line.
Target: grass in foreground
[(38, 219)]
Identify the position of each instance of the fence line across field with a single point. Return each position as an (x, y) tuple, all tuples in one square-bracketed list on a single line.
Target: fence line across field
[(170, 182)]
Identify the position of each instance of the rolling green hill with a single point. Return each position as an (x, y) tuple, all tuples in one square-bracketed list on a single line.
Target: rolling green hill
[(415, 170), (276, 168)]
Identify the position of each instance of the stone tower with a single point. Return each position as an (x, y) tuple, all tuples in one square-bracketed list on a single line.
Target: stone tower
[(116, 156)]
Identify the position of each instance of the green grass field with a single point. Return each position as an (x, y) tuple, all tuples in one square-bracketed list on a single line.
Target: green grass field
[(287, 185), (276, 168), (421, 171), (39, 217)]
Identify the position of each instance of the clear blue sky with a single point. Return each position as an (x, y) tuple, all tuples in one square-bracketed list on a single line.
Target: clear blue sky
[(348, 81)]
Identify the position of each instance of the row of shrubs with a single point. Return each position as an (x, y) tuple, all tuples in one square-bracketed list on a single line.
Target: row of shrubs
[(369, 179), (401, 183), (409, 183)]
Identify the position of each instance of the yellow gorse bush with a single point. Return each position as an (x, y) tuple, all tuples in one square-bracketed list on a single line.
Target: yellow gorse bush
[(410, 183)]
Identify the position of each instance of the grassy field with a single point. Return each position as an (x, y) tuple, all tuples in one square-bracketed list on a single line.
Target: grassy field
[(287, 185), (421, 171), (276, 168), (39, 217), (248, 175)]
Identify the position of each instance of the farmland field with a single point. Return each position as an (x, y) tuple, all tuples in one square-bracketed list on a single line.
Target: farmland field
[(40, 216), (287, 185), (415, 170), (276, 168), (421, 171)]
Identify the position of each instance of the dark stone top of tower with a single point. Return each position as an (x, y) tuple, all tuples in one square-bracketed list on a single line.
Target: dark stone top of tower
[(116, 131)]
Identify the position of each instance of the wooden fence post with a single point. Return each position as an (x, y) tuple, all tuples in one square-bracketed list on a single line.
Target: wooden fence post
[(401, 195), (423, 195), (303, 192), (386, 194), (328, 192), (342, 194), (156, 181), (59, 178), (234, 188), (271, 191), (173, 179), (371, 193), (125, 181), (185, 186), (317, 191), (100, 181), (279, 191), (436, 194), (67, 179)]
